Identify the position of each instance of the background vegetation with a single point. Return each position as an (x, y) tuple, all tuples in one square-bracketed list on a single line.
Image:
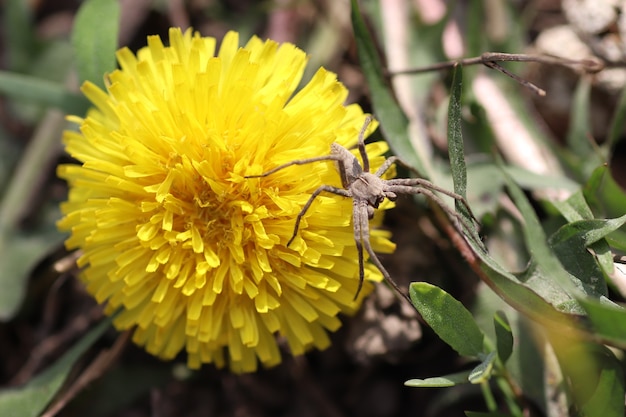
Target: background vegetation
[(538, 328)]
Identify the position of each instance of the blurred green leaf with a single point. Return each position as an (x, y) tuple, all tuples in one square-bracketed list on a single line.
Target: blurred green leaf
[(474, 32), (607, 400), (18, 27), (19, 254), (32, 398), (617, 124), (574, 208), (485, 184), (452, 322), (119, 388), (579, 134), (504, 336), (594, 377), (482, 372), (20, 248), (607, 320), (40, 91), (94, 38), (439, 381), (393, 122), (486, 414)]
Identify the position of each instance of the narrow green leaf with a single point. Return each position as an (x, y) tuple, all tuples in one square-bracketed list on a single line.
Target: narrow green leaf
[(533, 181), (455, 136), (516, 294), (504, 336), (440, 381), (94, 38), (32, 398), (580, 123), (570, 244), (452, 322), (576, 208), (603, 193), (617, 123), (474, 33), (482, 372), (536, 241), (586, 231), (393, 122), (40, 91)]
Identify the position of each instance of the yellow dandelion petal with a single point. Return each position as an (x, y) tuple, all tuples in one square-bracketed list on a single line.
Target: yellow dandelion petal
[(173, 233)]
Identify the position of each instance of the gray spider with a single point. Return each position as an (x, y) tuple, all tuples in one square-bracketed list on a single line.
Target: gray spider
[(367, 191)]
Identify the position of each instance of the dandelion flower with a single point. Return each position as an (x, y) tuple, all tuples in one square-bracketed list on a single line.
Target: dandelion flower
[(171, 234)]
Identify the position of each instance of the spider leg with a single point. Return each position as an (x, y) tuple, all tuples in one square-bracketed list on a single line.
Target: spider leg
[(400, 161), (305, 208), (460, 220), (297, 162), (364, 157), (422, 182), (362, 239), (357, 216), (425, 184), (386, 165)]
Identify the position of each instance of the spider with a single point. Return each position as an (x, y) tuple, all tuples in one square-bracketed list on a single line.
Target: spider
[(367, 191)]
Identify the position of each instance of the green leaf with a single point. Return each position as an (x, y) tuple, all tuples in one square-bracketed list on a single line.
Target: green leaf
[(580, 125), (594, 376), (455, 137), (576, 208), (607, 320), (537, 243), (516, 294), (452, 322), (37, 90), (587, 232), (440, 381), (32, 398), (21, 250), (603, 193), (617, 123), (482, 372), (504, 336), (393, 122), (570, 244), (608, 397), (19, 254), (19, 30), (94, 38)]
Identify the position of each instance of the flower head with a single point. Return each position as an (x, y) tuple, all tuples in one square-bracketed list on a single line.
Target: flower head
[(172, 234)]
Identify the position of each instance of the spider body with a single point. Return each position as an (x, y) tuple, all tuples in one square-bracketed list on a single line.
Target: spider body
[(367, 191)]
